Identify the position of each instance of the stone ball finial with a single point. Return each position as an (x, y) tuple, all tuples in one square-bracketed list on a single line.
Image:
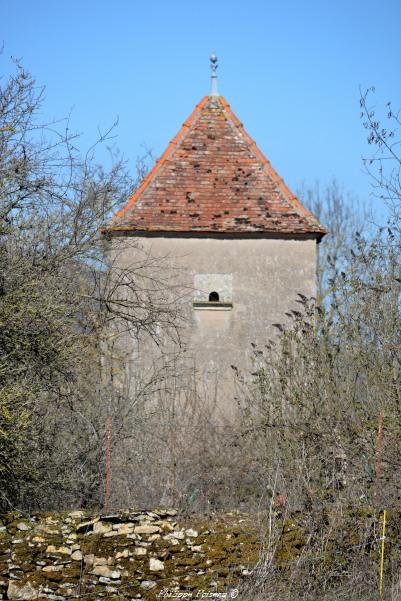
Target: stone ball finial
[(213, 62)]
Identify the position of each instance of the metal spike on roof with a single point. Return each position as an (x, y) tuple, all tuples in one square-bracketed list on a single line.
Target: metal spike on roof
[(213, 66)]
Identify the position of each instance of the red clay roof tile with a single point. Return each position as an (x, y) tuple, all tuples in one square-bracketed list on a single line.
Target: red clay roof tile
[(213, 178)]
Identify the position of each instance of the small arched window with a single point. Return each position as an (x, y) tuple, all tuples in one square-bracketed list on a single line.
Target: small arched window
[(207, 298)]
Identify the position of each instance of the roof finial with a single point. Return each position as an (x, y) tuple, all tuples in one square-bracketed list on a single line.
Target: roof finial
[(213, 66)]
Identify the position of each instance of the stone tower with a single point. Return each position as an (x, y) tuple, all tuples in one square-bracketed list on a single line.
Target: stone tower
[(244, 245)]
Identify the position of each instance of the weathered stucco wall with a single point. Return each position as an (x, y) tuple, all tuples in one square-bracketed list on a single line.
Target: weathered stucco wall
[(263, 277)]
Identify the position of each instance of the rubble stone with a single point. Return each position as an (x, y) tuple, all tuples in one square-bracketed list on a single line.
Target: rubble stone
[(24, 592), (52, 556), (155, 565)]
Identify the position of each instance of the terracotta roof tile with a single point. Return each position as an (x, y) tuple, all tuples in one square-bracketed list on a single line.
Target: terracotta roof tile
[(213, 178)]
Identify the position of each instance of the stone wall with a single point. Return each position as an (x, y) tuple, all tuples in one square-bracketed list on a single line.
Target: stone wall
[(124, 555)]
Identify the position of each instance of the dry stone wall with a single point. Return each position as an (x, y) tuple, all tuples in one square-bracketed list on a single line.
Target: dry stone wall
[(124, 555)]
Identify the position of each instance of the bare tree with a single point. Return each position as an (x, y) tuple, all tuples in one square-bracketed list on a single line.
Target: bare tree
[(326, 394), (384, 165), (55, 301), (343, 215)]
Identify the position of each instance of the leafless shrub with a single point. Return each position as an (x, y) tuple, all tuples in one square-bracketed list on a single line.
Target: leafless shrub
[(55, 300)]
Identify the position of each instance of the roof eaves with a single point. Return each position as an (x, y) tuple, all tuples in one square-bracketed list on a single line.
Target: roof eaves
[(127, 229)]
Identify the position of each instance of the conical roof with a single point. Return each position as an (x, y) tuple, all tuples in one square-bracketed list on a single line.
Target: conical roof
[(212, 178)]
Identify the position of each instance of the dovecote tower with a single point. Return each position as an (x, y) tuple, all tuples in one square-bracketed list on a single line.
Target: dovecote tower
[(243, 244)]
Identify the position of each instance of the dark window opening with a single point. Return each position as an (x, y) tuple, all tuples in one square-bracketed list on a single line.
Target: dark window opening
[(214, 297)]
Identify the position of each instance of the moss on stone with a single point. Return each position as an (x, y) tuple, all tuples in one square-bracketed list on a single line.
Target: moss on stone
[(224, 547)]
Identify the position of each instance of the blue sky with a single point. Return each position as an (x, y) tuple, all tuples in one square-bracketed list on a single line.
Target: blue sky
[(291, 71)]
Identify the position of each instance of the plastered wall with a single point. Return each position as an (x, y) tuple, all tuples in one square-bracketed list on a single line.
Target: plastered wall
[(260, 277)]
